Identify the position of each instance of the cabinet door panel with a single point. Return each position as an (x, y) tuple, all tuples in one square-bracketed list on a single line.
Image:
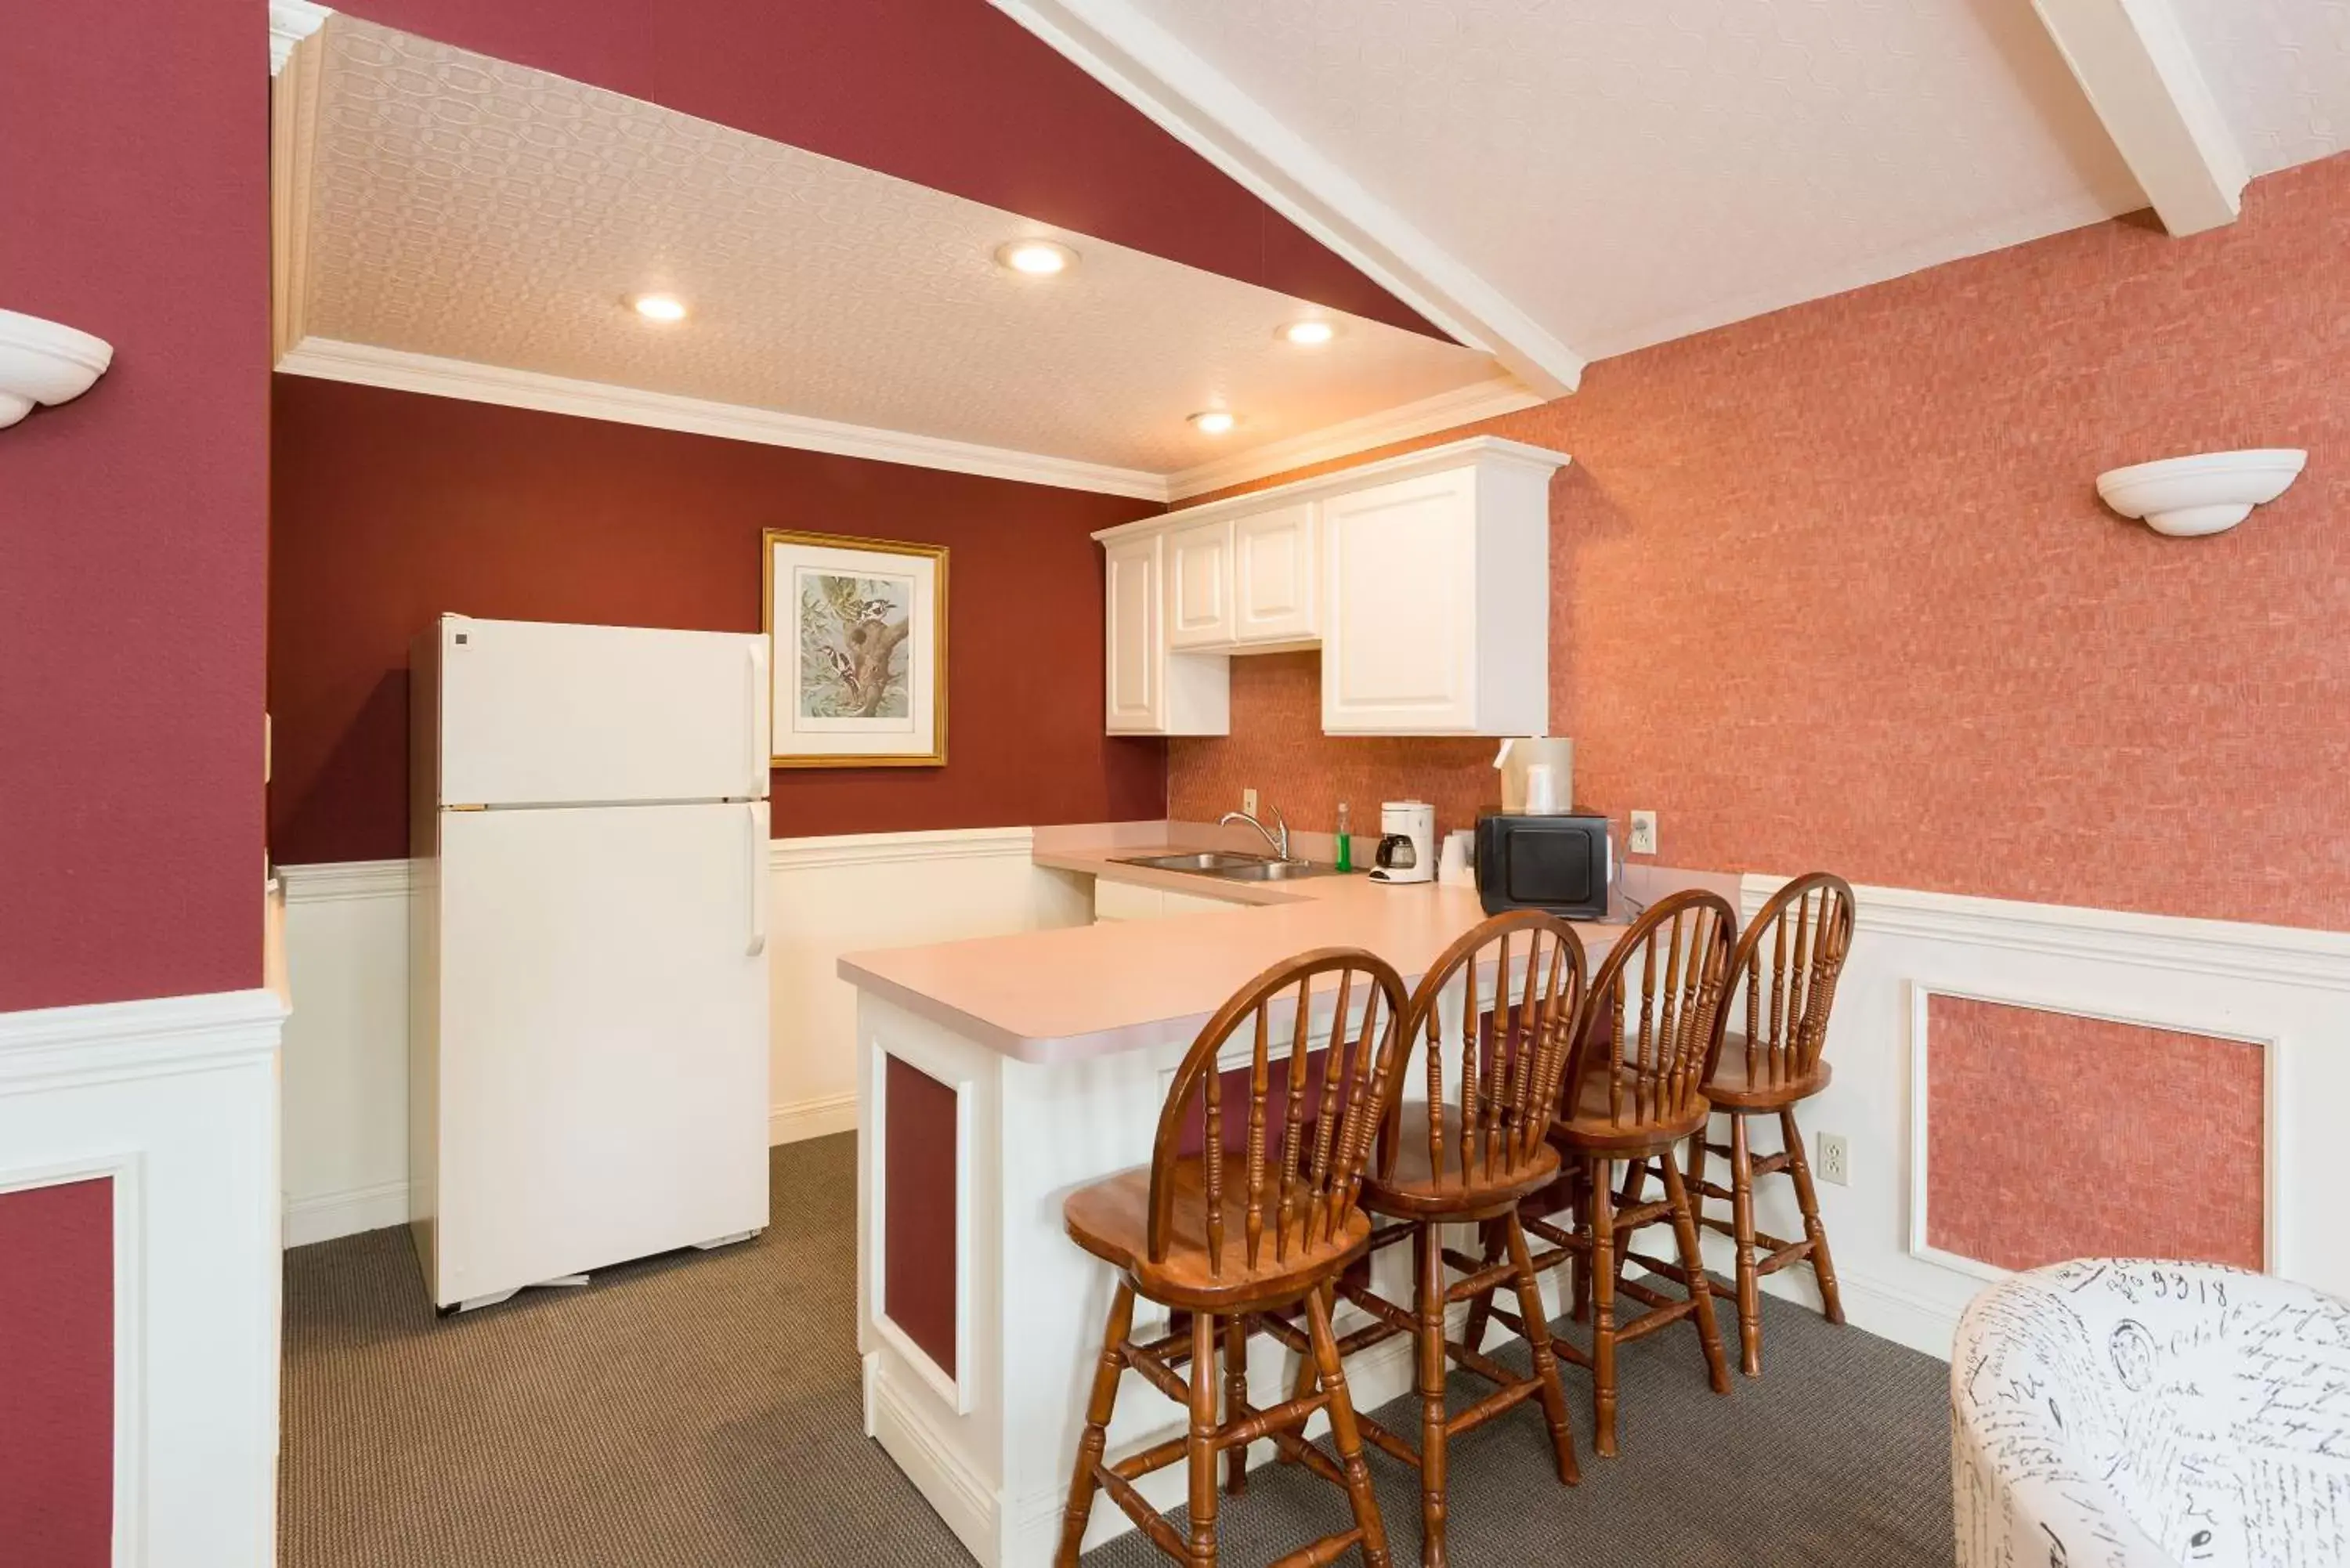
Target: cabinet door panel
[(1276, 594), (1199, 585), (1398, 652), (1130, 627)]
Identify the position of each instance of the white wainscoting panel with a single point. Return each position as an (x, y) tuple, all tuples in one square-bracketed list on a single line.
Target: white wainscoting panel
[(173, 1099), (345, 1137), (346, 1048), (2287, 988)]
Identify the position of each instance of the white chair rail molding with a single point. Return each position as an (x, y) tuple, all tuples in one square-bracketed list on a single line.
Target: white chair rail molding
[(2136, 1414), (45, 362), (2188, 497)]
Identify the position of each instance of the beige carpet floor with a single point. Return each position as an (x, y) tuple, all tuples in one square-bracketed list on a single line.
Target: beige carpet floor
[(701, 1411)]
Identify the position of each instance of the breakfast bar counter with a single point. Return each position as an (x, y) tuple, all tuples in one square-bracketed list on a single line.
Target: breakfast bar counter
[(995, 1076)]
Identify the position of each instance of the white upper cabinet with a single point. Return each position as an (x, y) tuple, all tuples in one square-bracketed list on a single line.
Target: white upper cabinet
[(1440, 604), (1148, 690), (1275, 576), (1199, 585), (1424, 579)]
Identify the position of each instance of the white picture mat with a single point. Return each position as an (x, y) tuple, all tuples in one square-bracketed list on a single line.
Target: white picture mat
[(795, 736)]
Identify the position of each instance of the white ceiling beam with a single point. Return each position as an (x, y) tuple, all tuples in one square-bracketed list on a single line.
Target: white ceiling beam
[(1199, 106), (2133, 60)]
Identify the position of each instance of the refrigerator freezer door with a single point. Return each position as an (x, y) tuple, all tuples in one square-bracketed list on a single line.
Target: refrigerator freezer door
[(602, 1084), (534, 713)]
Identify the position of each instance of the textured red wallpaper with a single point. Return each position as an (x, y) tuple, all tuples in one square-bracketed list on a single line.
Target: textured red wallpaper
[(388, 508), (2038, 1149), (132, 522), (1832, 588), (951, 94), (57, 1376)]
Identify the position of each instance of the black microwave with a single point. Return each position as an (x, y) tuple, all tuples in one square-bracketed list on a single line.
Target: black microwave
[(1562, 863)]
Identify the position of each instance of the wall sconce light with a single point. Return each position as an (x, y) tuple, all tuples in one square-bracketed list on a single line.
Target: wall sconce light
[(2186, 497), (43, 362)]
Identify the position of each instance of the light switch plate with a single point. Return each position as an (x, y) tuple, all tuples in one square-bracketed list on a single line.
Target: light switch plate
[(1643, 833), (1248, 800)]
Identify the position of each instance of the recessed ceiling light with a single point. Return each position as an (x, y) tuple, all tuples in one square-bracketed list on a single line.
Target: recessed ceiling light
[(659, 307), (1036, 258), (1212, 422), (1308, 334)]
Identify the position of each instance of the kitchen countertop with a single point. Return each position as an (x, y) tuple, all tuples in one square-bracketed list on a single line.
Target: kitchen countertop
[(1075, 991)]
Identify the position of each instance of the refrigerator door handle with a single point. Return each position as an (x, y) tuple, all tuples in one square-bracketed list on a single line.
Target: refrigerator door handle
[(755, 670), (755, 824)]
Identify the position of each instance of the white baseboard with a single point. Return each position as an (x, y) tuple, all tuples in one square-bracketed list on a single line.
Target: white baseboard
[(819, 1117), (327, 1216)]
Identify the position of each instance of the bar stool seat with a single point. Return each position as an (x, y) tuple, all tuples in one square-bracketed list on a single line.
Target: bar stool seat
[(1412, 1188), (1111, 1219), (1765, 1084)]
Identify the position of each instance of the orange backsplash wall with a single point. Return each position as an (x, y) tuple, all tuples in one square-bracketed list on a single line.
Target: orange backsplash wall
[(1832, 587), (2035, 1130)]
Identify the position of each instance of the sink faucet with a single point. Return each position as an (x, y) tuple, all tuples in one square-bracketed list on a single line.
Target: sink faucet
[(1280, 841)]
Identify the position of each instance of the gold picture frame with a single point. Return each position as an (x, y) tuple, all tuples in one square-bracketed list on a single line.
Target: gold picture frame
[(858, 666)]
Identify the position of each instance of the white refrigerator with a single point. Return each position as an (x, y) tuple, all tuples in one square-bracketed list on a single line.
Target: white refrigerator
[(588, 993)]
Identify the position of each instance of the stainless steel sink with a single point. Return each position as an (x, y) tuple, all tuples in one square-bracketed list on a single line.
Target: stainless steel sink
[(1230, 866), (1275, 872), (1216, 861)]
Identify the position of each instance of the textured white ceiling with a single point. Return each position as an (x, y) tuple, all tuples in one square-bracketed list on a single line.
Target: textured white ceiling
[(1630, 170), (2281, 70), (469, 209)]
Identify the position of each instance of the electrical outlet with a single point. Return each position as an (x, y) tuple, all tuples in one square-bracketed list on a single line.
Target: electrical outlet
[(1643, 833), (1835, 1159), (1248, 800)]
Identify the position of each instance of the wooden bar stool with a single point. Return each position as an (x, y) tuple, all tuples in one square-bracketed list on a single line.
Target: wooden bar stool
[(1776, 1064), (1505, 995), (1632, 1093), (1293, 1176)]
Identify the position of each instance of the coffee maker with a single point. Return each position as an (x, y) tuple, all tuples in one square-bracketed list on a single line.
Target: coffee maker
[(1407, 851)]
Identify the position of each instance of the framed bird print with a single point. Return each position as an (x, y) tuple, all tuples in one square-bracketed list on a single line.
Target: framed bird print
[(857, 651)]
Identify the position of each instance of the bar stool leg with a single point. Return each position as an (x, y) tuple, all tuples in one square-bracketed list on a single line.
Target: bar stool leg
[(1603, 1311), (1344, 1436), (1235, 1395), (1700, 1290), (1578, 1264), (1202, 1448), (1822, 1264), (1741, 1225), (1428, 1303), (1636, 1187), (1098, 1406), (1545, 1360)]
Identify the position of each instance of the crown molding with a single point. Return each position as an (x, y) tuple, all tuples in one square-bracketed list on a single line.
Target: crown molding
[(1446, 410), (290, 22), (1484, 451), (365, 365), (1187, 98)]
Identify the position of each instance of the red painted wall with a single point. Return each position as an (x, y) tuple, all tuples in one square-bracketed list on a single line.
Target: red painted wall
[(131, 520), (917, 1249), (390, 508), (951, 94), (1832, 588), (57, 1376), (2038, 1149)]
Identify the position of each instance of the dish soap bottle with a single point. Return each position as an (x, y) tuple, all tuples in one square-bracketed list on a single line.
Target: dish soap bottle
[(1345, 844)]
